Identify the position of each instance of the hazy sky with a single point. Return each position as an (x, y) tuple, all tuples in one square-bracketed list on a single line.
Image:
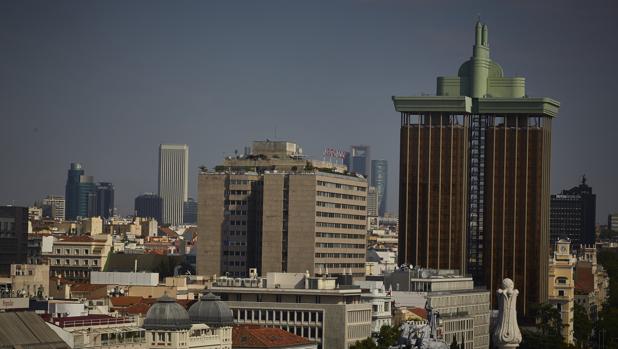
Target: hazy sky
[(103, 83)]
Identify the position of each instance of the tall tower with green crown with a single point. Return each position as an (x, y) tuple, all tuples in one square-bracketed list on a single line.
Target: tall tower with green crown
[(474, 177)]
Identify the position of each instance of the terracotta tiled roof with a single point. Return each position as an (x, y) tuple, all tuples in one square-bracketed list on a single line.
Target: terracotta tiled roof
[(85, 287), (169, 232), (584, 280), (125, 301), (77, 238), (139, 308), (251, 336), (419, 312)]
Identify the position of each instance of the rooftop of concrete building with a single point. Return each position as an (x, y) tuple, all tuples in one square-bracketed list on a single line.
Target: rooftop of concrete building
[(293, 283), (27, 330), (87, 320), (253, 336)]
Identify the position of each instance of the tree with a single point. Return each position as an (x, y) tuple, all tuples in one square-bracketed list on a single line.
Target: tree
[(366, 343), (582, 326), (388, 336), (548, 319)]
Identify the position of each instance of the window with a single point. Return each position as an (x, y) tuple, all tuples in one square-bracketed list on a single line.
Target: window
[(86, 251), (76, 251), (57, 251), (68, 251)]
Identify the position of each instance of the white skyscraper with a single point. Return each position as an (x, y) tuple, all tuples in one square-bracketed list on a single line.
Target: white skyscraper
[(173, 180)]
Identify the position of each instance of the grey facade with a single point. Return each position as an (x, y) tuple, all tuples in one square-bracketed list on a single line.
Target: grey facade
[(379, 180), (173, 181), (573, 214), (358, 160), (190, 212), (13, 237), (149, 206), (105, 200)]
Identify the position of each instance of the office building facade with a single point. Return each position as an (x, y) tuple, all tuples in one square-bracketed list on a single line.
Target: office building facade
[(474, 177), (13, 237), (190, 212), (292, 217), (573, 214), (612, 221), (80, 193), (149, 205), (173, 181), (358, 160), (379, 180), (54, 207), (105, 200)]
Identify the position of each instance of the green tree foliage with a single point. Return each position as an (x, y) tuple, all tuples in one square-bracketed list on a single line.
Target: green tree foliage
[(607, 324), (366, 343), (548, 319), (388, 336), (582, 326)]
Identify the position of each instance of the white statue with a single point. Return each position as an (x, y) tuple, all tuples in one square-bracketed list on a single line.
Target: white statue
[(506, 333)]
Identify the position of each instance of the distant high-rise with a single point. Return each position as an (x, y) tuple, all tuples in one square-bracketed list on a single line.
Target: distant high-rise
[(105, 200), (573, 215), (13, 237), (379, 180), (612, 221), (173, 181), (190, 211), (372, 202), (474, 177), (358, 160), (149, 206), (54, 207), (80, 193)]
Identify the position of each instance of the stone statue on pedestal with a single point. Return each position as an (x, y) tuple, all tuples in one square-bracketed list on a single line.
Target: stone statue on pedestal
[(507, 334)]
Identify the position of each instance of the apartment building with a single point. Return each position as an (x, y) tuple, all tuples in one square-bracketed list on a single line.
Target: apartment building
[(311, 307), (562, 286), (74, 257), (258, 212)]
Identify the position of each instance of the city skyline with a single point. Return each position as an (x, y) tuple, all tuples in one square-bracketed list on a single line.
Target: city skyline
[(193, 99)]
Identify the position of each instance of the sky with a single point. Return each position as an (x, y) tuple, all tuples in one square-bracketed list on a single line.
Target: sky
[(104, 83)]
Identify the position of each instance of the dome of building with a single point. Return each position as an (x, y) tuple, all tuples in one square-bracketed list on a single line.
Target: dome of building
[(210, 310), (166, 314)]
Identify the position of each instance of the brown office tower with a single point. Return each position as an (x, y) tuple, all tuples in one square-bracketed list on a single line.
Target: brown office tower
[(474, 177), (276, 211)]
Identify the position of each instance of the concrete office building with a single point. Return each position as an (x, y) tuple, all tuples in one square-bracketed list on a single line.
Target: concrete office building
[(373, 202), (54, 207), (13, 237), (474, 177), (573, 215), (149, 205), (612, 222), (277, 212), (464, 310), (311, 307), (105, 200), (379, 180), (80, 193), (173, 181)]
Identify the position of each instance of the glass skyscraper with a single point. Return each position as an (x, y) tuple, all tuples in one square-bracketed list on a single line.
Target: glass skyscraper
[(379, 175)]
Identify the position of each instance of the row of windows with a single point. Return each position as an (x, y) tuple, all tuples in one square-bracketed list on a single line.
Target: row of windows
[(237, 222), (239, 181), (341, 225), (237, 233), (7, 227), (234, 263), (342, 206), (277, 315), (75, 251), (76, 262), (235, 202), (340, 215), (341, 196), (238, 212), (234, 243), (340, 236), (341, 186), (234, 253), (339, 255), (236, 192), (340, 265), (338, 245)]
